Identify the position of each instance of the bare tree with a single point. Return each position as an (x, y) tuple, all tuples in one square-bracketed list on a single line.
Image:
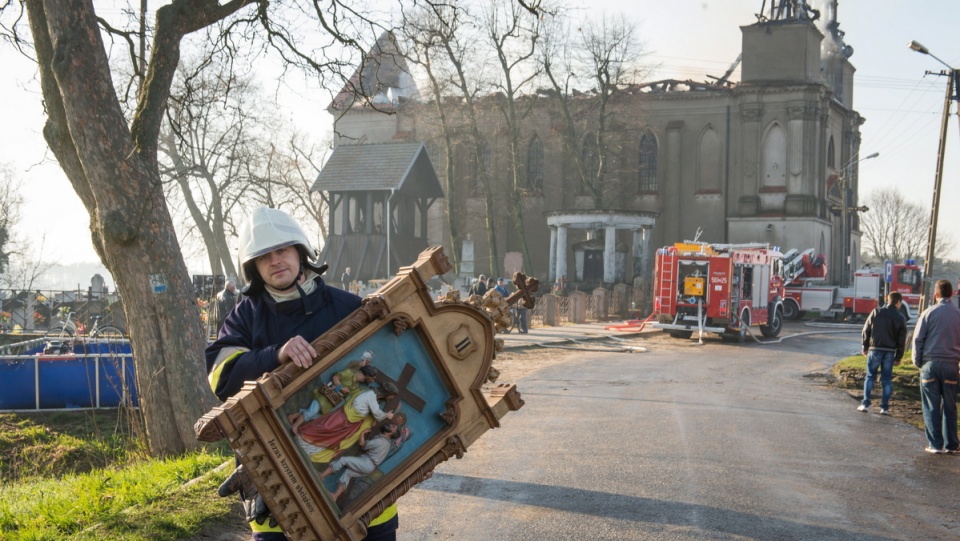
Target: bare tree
[(212, 138), (896, 229), (514, 36), (422, 33), (604, 55), (112, 164), (11, 201), (26, 267), (295, 164), (453, 27)]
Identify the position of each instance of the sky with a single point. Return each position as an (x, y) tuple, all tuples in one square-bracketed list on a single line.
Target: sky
[(685, 39)]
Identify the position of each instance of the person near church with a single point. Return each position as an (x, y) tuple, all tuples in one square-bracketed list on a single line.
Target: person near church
[(883, 339), (480, 288), (226, 300), (936, 352), (346, 279), (285, 306), (501, 288)]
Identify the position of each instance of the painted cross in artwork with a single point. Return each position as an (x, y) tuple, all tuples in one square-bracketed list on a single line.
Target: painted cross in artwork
[(367, 412)]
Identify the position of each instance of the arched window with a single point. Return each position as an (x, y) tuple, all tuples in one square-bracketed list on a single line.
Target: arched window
[(477, 187), (535, 165), (709, 162), (648, 164), (773, 168)]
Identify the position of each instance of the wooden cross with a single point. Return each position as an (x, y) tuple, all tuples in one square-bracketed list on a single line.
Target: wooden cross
[(405, 394), (525, 288)]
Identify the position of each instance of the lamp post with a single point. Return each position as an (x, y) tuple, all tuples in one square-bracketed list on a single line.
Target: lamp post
[(844, 217), (952, 86)]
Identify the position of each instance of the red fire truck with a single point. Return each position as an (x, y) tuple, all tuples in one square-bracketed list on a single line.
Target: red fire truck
[(718, 288), (804, 293)]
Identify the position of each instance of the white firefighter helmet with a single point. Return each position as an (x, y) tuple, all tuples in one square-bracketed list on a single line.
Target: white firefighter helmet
[(267, 230)]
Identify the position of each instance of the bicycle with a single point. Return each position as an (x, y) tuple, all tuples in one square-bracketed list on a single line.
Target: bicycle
[(60, 338), (515, 316)]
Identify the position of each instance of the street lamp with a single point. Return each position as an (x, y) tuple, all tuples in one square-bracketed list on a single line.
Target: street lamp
[(844, 209), (952, 86)]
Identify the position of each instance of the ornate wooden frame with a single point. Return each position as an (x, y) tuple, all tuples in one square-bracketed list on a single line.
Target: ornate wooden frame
[(459, 345)]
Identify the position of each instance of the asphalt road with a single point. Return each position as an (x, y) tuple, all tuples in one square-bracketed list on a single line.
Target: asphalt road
[(688, 441)]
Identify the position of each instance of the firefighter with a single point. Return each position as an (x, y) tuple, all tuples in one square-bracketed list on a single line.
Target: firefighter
[(285, 306)]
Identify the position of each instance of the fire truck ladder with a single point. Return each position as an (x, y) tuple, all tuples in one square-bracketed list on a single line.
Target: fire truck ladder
[(793, 263), (666, 286)]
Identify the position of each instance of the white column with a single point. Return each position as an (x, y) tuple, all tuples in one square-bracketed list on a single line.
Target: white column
[(561, 253), (645, 265), (610, 255), (637, 252), (552, 276)]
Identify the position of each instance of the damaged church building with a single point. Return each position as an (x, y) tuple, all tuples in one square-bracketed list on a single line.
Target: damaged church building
[(758, 160)]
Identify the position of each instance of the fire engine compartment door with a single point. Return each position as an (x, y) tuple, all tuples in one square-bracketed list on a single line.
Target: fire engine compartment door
[(866, 286), (761, 285)]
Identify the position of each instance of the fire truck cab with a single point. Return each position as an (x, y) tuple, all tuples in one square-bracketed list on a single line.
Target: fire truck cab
[(718, 288)]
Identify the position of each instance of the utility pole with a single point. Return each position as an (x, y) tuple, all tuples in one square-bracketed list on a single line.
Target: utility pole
[(952, 88), (845, 209)]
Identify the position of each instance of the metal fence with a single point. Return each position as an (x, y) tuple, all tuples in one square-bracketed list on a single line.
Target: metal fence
[(623, 303), (38, 311)]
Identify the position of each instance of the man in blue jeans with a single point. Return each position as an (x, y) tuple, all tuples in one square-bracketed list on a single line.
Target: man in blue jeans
[(936, 352), (883, 339)]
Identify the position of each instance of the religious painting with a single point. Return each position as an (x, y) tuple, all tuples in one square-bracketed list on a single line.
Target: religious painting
[(367, 412)]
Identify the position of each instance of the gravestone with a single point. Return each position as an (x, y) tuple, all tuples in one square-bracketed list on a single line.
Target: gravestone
[(97, 288), (601, 298), (578, 307), (549, 309), (466, 260), (620, 301), (512, 263)]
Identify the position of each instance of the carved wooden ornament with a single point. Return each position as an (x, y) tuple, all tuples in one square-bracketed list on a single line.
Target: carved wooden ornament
[(437, 355)]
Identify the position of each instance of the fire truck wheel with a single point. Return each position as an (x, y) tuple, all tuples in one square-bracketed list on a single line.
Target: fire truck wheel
[(791, 311), (740, 335), (684, 335), (775, 326)]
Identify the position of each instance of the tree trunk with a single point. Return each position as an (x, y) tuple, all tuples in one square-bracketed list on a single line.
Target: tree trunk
[(118, 180)]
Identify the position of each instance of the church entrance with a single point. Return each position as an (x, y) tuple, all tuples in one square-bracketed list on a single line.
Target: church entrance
[(593, 265)]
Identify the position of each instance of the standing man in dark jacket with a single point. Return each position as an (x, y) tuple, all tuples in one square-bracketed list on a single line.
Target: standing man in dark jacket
[(936, 352), (883, 339), (226, 300), (285, 306)]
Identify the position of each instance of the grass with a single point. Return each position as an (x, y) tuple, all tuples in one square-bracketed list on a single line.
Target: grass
[(905, 402), (84, 476), (77, 476)]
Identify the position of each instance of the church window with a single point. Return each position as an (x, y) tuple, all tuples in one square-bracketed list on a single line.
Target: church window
[(773, 167), (648, 163), (709, 162), (477, 173)]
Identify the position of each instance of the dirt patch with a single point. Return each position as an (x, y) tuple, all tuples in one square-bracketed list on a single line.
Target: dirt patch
[(516, 364)]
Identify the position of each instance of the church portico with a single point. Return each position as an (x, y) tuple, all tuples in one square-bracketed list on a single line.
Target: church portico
[(593, 222)]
